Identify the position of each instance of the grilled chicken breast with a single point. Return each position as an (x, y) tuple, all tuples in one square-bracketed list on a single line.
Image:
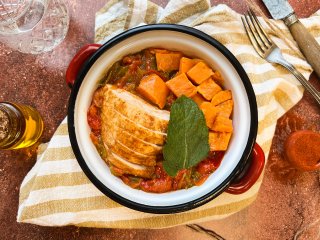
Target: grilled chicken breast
[(145, 134), (129, 154), (131, 141), (133, 131), (136, 109), (128, 167)]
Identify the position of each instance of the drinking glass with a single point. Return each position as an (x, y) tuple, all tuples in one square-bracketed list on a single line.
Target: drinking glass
[(33, 26)]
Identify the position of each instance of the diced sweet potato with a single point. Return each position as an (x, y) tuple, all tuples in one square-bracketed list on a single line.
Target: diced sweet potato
[(198, 99), (221, 97), (216, 76), (208, 89), (168, 61), (186, 64), (180, 85), (197, 60), (225, 108), (159, 50), (219, 141), (222, 124), (210, 112), (153, 88), (199, 73)]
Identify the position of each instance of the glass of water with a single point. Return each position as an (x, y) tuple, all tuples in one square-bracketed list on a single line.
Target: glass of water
[(33, 26)]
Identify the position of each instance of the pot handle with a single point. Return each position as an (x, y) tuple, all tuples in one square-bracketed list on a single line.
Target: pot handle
[(78, 60), (252, 173)]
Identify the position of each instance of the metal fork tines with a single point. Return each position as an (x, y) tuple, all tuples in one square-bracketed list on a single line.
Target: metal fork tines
[(268, 50)]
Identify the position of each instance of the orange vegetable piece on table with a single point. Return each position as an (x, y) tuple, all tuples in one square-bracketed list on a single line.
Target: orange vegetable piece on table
[(225, 108), (186, 64), (180, 85), (219, 141), (153, 88), (198, 99), (168, 61), (221, 97), (210, 113), (222, 124), (199, 73), (208, 89)]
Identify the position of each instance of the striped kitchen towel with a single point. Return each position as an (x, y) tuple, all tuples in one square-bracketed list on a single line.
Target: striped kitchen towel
[(56, 192)]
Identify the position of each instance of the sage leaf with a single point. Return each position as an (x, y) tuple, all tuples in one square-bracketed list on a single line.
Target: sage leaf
[(187, 136)]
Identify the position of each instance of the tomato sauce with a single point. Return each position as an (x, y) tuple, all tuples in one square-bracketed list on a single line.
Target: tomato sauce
[(185, 178)]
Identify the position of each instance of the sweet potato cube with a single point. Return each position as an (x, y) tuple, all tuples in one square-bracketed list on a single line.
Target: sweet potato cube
[(186, 64), (159, 50), (180, 85), (198, 99), (222, 124), (197, 60), (168, 61), (219, 141), (221, 97), (210, 112), (208, 89), (199, 73), (153, 88), (216, 76), (225, 108)]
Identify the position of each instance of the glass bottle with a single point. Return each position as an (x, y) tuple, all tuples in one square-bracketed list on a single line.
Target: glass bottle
[(20, 125)]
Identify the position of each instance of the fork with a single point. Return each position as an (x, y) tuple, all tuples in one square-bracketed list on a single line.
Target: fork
[(269, 51)]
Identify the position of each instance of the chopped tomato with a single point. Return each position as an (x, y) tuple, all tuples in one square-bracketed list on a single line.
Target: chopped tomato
[(210, 164), (157, 185), (159, 171), (127, 60), (94, 119), (125, 179), (206, 166), (181, 180)]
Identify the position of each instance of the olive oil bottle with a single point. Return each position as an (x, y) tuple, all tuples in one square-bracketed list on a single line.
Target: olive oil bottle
[(20, 125)]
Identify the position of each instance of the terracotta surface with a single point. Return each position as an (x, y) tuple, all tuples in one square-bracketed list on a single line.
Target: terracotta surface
[(289, 200)]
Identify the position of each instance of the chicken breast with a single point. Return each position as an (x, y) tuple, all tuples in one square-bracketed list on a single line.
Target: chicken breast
[(128, 167), (132, 130), (125, 152), (136, 109), (130, 141), (116, 118)]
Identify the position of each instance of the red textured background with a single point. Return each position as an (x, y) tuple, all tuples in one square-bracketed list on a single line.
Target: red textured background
[(288, 202)]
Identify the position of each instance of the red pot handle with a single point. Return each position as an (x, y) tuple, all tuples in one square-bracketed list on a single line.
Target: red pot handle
[(252, 174), (78, 60)]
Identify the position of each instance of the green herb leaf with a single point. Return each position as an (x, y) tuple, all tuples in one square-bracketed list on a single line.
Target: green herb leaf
[(187, 138)]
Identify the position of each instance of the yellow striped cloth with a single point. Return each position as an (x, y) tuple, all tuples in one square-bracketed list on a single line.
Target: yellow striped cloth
[(56, 192)]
